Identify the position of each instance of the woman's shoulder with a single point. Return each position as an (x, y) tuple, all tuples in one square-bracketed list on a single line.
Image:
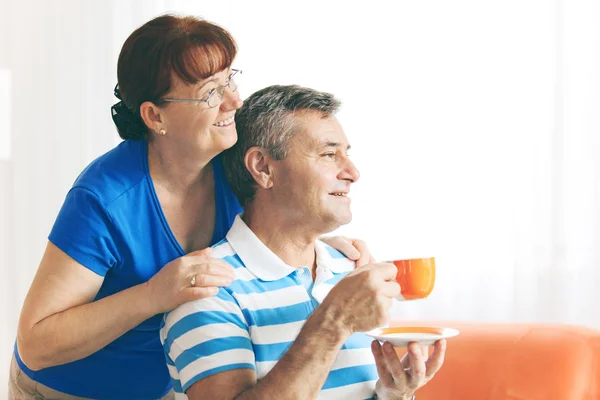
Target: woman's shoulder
[(116, 171)]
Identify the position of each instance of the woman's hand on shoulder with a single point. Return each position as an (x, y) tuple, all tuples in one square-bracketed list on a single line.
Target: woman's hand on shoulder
[(194, 276), (354, 249)]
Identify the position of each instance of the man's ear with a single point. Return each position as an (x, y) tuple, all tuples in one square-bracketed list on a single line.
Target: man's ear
[(151, 115), (258, 163)]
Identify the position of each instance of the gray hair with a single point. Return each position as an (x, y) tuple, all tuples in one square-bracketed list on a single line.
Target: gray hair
[(267, 120)]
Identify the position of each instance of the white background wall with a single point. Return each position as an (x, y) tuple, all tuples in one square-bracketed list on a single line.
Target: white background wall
[(475, 125)]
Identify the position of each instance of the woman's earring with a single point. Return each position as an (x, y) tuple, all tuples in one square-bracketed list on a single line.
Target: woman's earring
[(162, 132)]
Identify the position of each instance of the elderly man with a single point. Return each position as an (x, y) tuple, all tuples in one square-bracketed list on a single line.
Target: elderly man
[(289, 326)]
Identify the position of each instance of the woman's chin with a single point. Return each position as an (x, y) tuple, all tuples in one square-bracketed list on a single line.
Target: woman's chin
[(225, 138), (229, 140)]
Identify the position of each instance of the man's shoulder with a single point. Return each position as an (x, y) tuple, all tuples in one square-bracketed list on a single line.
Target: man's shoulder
[(224, 301), (224, 251), (221, 250), (200, 312)]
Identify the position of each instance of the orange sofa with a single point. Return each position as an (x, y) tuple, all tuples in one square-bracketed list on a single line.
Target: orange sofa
[(517, 362)]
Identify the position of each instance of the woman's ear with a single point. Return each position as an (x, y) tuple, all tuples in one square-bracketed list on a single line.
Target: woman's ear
[(258, 163), (152, 117)]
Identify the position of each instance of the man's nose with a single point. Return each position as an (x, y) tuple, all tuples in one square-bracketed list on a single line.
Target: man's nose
[(349, 171)]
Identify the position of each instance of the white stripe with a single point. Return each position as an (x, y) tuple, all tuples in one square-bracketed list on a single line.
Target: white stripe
[(208, 304), (203, 334), (320, 291), (353, 357), (244, 275), (345, 359), (341, 265), (276, 333), (322, 276), (275, 298), (361, 390), (223, 250), (180, 396), (263, 368), (173, 371), (162, 334), (215, 360)]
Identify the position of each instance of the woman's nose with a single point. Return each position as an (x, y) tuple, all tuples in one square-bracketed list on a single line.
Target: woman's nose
[(231, 100)]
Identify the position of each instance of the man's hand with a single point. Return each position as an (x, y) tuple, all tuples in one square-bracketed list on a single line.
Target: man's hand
[(362, 300), (400, 379)]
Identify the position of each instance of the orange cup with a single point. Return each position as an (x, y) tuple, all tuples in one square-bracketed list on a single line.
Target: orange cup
[(416, 277)]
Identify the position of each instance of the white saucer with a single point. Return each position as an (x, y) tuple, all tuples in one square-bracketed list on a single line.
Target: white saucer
[(401, 336)]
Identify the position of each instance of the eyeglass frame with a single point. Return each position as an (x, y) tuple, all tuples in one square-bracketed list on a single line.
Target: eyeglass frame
[(206, 97)]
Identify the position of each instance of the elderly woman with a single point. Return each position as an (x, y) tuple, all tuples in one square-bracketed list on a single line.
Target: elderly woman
[(131, 239)]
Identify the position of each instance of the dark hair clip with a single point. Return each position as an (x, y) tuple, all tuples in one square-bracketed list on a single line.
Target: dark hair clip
[(118, 92), (129, 125)]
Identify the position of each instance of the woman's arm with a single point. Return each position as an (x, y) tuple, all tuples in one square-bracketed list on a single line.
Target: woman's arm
[(61, 323)]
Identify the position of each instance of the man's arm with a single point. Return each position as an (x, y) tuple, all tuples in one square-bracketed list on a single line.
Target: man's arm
[(359, 302), (299, 374)]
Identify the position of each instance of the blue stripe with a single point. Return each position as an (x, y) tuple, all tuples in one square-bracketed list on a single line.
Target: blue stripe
[(222, 294), (271, 352), (198, 319), (234, 261), (168, 359), (226, 295), (175, 381), (213, 371), (334, 253), (336, 278), (358, 341), (220, 242), (211, 347), (278, 315), (176, 385), (351, 375), (260, 286)]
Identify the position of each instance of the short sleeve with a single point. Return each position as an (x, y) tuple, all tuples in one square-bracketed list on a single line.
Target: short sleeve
[(83, 230), (207, 336)]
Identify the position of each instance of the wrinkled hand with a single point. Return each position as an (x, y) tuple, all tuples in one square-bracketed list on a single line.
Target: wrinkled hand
[(172, 285), (400, 379), (362, 300), (355, 249)]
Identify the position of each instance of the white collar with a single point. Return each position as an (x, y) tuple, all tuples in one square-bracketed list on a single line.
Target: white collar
[(265, 264)]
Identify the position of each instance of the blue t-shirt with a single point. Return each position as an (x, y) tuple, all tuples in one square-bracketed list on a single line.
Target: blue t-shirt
[(112, 223)]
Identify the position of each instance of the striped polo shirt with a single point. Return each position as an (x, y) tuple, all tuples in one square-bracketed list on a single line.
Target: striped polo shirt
[(253, 322)]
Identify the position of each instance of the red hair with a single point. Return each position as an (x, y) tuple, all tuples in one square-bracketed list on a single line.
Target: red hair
[(191, 48)]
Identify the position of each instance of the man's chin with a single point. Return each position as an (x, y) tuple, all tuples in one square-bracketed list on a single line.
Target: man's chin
[(346, 219), (338, 221)]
